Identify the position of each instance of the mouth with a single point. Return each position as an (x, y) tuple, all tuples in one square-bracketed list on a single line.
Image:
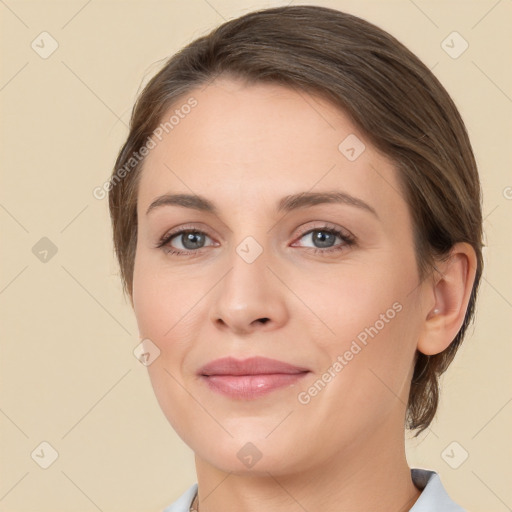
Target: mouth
[(251, 378)]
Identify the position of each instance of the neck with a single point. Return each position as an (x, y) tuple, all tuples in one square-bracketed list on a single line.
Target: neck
[(371, 474)]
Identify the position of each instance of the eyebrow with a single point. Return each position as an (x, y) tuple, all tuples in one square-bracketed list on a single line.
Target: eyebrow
[(286, 204)]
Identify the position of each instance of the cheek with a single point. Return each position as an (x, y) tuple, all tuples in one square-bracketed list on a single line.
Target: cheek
[(147, 302), (373, 329), (153, 300), (166, 308), (360, 302), (372, 375), (159, 312)]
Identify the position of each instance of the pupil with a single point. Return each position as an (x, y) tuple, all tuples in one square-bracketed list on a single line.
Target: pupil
[(189, 237), (321, 237)]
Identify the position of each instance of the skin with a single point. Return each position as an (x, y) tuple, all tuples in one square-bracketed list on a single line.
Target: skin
[(244, 147)]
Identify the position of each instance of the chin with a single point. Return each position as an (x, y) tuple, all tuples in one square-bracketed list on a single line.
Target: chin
[(246, 454)]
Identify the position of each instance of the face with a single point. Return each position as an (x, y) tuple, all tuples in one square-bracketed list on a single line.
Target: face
[(324, 282)]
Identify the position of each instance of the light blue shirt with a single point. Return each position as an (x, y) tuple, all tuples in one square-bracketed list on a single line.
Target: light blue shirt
[(432, 498)]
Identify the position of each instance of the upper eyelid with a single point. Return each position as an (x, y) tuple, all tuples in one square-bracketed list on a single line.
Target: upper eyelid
[(326, 226)]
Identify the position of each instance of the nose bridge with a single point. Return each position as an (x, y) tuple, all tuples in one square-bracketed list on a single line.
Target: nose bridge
[(250, 235), (247, 293), (250, 249), (248, 260)]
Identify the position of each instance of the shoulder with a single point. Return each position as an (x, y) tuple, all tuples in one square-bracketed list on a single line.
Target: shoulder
[(182, 504), (434, 495)]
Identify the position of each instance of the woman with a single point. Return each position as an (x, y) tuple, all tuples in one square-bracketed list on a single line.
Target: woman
[(297, 216)]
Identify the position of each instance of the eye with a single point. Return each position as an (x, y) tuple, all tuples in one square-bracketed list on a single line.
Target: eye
[(191, 241), (324, 239)]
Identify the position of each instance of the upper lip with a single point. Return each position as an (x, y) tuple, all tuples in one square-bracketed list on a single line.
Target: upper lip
[(250, 366)]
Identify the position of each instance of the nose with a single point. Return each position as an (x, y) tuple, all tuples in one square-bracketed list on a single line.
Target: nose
[(250, 297)]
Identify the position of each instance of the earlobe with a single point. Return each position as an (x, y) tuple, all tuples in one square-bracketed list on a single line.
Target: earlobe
[(451, 288)]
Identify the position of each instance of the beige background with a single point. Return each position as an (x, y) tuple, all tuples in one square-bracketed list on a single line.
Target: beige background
[(68, 374)]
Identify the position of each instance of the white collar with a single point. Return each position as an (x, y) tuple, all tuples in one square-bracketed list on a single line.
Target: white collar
[(434, 495)]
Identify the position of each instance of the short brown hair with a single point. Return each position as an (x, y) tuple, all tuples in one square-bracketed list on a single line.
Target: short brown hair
[(387, 92)]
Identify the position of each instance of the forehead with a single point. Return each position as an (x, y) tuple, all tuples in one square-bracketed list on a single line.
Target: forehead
[(258, 142)]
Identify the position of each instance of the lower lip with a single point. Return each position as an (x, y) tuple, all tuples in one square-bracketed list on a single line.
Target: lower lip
[(248, 387)]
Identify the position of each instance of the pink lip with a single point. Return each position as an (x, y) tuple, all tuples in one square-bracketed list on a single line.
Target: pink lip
[(249, 378)]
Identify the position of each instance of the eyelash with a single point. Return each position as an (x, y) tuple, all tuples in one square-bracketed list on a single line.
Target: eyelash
[(348, 240)]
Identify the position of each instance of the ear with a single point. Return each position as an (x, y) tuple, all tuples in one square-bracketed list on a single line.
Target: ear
[(449, 292)]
